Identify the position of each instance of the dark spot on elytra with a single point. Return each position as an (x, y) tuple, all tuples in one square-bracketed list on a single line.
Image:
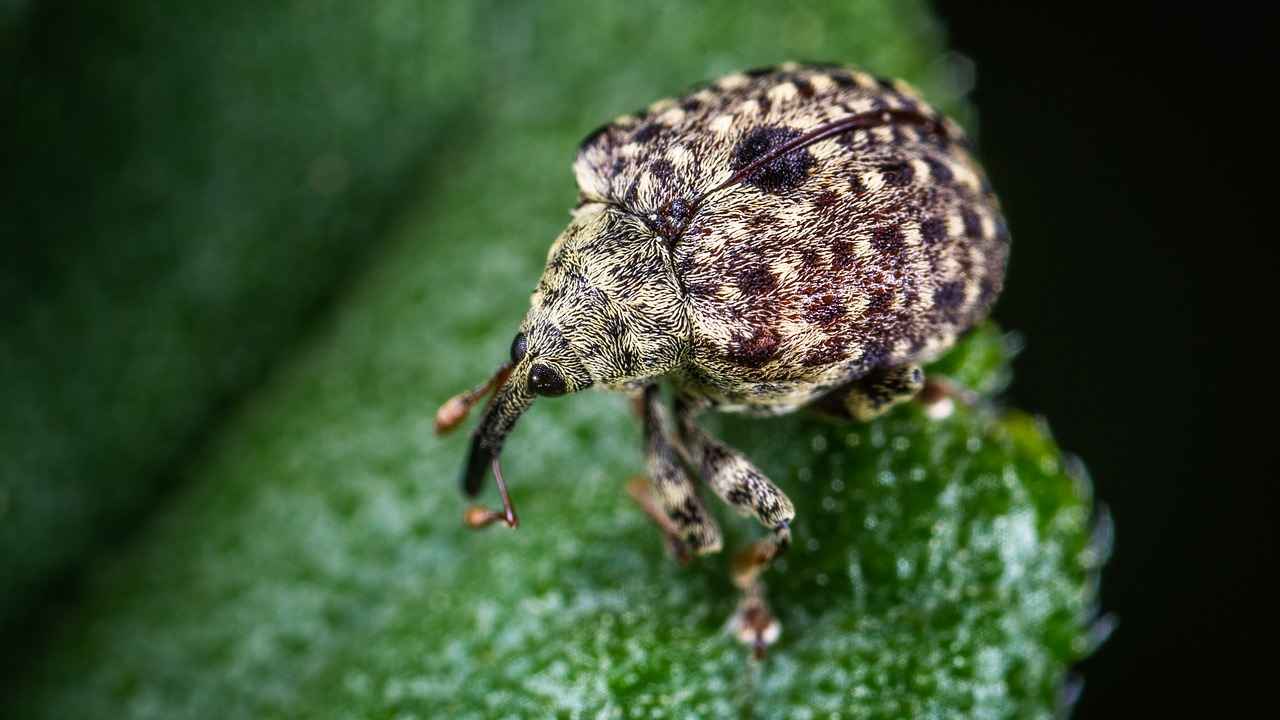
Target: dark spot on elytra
[(933, 230), (887, 239), (690, 104), (738, 497), (826, 199), (886, 84), (972, 225), (879, 302), (897, 173), (940, 171), (826, 310), (949, 295), (803, 87), (809, 257), (779, 174), (759, 71), (755, 280), (906, 104), (843, 78), (856, 186), (662, 169), (843, 255), (645, 133), (754, 350)]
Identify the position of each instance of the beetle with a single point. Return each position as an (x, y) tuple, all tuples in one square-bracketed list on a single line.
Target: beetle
[(790, 237)]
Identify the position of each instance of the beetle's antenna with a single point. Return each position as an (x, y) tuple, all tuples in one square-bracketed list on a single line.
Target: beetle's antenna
[(454, 411), (478, 516)]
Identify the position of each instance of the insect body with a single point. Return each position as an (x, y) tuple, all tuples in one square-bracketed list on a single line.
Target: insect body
[(790, 237)]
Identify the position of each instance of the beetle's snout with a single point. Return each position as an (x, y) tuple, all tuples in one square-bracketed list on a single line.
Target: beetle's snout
[(478, 460), (512, 399), (487, 441)]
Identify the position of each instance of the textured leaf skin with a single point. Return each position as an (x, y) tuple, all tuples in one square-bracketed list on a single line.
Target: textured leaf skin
[(314, 565)]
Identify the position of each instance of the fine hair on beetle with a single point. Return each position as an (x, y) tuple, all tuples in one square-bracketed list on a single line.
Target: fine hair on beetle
[(795, 237)]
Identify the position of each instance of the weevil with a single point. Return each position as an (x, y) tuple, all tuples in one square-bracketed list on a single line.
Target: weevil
[(801, 236)]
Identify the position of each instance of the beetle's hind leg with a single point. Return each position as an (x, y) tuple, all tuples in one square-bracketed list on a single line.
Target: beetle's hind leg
[(669, 496), (874, 395), (744, 487), (869, 397)]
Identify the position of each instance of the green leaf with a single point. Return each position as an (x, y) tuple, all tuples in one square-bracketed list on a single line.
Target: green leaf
[(185, 184), (313, 563)]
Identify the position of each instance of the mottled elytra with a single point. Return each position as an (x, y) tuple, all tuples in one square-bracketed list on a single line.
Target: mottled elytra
[(794, 237)]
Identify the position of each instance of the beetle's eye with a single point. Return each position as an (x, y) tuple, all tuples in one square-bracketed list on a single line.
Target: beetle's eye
[(546, 381), (519, 347)]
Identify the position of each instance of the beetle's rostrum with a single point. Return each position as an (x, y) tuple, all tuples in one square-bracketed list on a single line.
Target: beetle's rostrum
[(791, 237)]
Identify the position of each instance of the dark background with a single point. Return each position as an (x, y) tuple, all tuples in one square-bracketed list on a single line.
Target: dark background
[(1132, 152)]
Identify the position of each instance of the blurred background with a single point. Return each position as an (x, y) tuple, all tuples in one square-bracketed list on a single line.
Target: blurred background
[(176, 221)]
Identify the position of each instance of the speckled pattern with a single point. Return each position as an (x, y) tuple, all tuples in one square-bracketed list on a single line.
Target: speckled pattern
[(816, 223)]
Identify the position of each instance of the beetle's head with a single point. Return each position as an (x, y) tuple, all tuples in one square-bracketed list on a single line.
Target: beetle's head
[(606, 312)]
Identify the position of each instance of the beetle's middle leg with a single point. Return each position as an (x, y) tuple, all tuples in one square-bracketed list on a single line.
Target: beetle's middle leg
[(744, 487), (670, 497)]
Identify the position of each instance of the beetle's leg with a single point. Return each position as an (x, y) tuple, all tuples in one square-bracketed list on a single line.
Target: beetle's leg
[(740, 484), (455, 409), (872, 396), (669, 497)]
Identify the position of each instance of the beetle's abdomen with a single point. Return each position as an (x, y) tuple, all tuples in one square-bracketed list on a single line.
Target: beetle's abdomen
[(822, 223)]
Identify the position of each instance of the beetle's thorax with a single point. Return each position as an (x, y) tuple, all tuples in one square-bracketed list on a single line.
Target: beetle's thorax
[(609, 297)]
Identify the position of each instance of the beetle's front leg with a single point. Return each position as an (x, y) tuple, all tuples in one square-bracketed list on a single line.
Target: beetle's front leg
[(740, 484), (669, 497)]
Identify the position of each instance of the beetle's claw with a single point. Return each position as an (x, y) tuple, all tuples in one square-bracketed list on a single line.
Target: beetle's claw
[(477, 517), (754, 625)]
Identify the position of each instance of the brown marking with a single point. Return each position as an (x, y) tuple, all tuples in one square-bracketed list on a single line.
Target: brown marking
[(755, 350), (888, 240), (933, 230), (756, 279)]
